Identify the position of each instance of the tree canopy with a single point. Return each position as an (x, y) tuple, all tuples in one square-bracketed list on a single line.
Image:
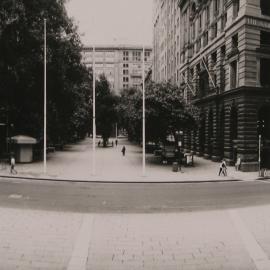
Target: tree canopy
[(166, 112), (21, 69), (106, 114)]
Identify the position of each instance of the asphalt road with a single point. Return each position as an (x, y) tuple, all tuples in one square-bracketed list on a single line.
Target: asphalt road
[(131, 198)]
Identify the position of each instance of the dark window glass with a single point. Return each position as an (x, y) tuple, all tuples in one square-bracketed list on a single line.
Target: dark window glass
[(264, 72), (265, 38), (265, 7)]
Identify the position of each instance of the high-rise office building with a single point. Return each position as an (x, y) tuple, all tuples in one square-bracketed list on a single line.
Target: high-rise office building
[(122, 65), (218, 51)]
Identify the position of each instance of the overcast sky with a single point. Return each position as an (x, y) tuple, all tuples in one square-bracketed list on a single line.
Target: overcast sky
[(113, 21)]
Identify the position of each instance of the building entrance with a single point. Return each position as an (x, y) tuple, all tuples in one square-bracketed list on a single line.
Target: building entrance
[(264, 129)]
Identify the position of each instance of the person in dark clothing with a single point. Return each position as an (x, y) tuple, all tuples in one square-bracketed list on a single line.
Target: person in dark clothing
[(178, 157), (223, 168), (123, 150), (116, 142)]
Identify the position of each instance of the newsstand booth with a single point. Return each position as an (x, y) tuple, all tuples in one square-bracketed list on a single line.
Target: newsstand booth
[(23, 148)]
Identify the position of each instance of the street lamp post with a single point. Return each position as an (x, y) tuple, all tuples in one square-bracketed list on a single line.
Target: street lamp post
[(45, 101), (259, 160), (94, 115), (143, 127)]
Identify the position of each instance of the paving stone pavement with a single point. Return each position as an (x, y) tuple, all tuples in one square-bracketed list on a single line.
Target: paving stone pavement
[(258, 222), (76, 163), (35, 239)]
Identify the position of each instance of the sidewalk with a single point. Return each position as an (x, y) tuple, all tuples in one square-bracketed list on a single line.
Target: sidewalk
[(75, 163), (208, 240)]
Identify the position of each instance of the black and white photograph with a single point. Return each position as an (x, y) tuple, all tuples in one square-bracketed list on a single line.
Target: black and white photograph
[(134, 134)]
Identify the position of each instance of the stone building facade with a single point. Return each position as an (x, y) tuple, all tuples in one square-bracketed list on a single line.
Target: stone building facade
[(224, 68), (122, 65)]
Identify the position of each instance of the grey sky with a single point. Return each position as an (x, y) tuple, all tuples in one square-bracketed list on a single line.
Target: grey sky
[(113, 21)]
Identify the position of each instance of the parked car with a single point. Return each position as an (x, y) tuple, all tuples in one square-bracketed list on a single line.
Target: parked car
[(168, 153), (151, 147)]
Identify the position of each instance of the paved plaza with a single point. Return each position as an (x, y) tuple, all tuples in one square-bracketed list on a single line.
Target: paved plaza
[(75, 163), (227, 239)]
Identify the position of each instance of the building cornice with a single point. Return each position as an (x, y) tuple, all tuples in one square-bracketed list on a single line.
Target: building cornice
[(116, 47)]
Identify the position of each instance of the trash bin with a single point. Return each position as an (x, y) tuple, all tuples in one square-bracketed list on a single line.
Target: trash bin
[(23, 148), (189, 159), (175, 167)]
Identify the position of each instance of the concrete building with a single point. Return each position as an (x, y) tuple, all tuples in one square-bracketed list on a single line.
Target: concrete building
[(122, 65), (218, 51)]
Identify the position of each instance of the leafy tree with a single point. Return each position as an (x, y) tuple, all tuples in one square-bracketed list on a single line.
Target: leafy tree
[(21, 70), (106, 115), (129, 111), (166, 112)]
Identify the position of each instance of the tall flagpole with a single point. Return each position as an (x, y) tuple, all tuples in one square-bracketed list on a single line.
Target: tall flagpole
[(143, 128), (45, 102), (94, 114)]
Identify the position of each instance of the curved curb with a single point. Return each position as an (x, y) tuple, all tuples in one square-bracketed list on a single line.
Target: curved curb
[(117, 182)]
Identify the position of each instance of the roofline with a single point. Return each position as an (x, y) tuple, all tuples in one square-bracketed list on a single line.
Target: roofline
[(117, 47)]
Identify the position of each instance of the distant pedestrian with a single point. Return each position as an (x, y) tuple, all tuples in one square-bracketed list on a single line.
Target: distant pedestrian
[(12, 165), (116, 142), (223, 168), (99, 143), (123, 150), (112, 144), (178, 157)]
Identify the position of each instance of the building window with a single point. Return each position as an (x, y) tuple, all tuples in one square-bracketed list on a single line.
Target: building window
[(216, 7), (207, 15), (203, 82), (206, 38), (236, 6), (125, 65), (265, 7), (233, 71), (222, 52), (265, 39), (223, 21), (136, 56), (214, 58), (200, 22), (235, 41), (214, 31), (264, 72), (125, 71), (125, 79), (125, 56)]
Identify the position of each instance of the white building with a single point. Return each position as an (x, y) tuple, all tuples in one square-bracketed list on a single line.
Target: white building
[(122, 65)]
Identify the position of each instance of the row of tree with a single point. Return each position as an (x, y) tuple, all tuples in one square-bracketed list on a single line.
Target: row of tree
[(166, 112), (69, 82)]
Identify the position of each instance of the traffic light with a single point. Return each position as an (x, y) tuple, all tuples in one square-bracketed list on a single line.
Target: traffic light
[(260, 127)]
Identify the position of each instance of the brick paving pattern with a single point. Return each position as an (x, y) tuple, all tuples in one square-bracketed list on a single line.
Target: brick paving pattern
[(34, 239)]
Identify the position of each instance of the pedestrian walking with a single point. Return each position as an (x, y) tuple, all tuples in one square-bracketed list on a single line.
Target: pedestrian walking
[(222, 168), (116, 142), (178, 157), (123, 150), (12, 165)]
